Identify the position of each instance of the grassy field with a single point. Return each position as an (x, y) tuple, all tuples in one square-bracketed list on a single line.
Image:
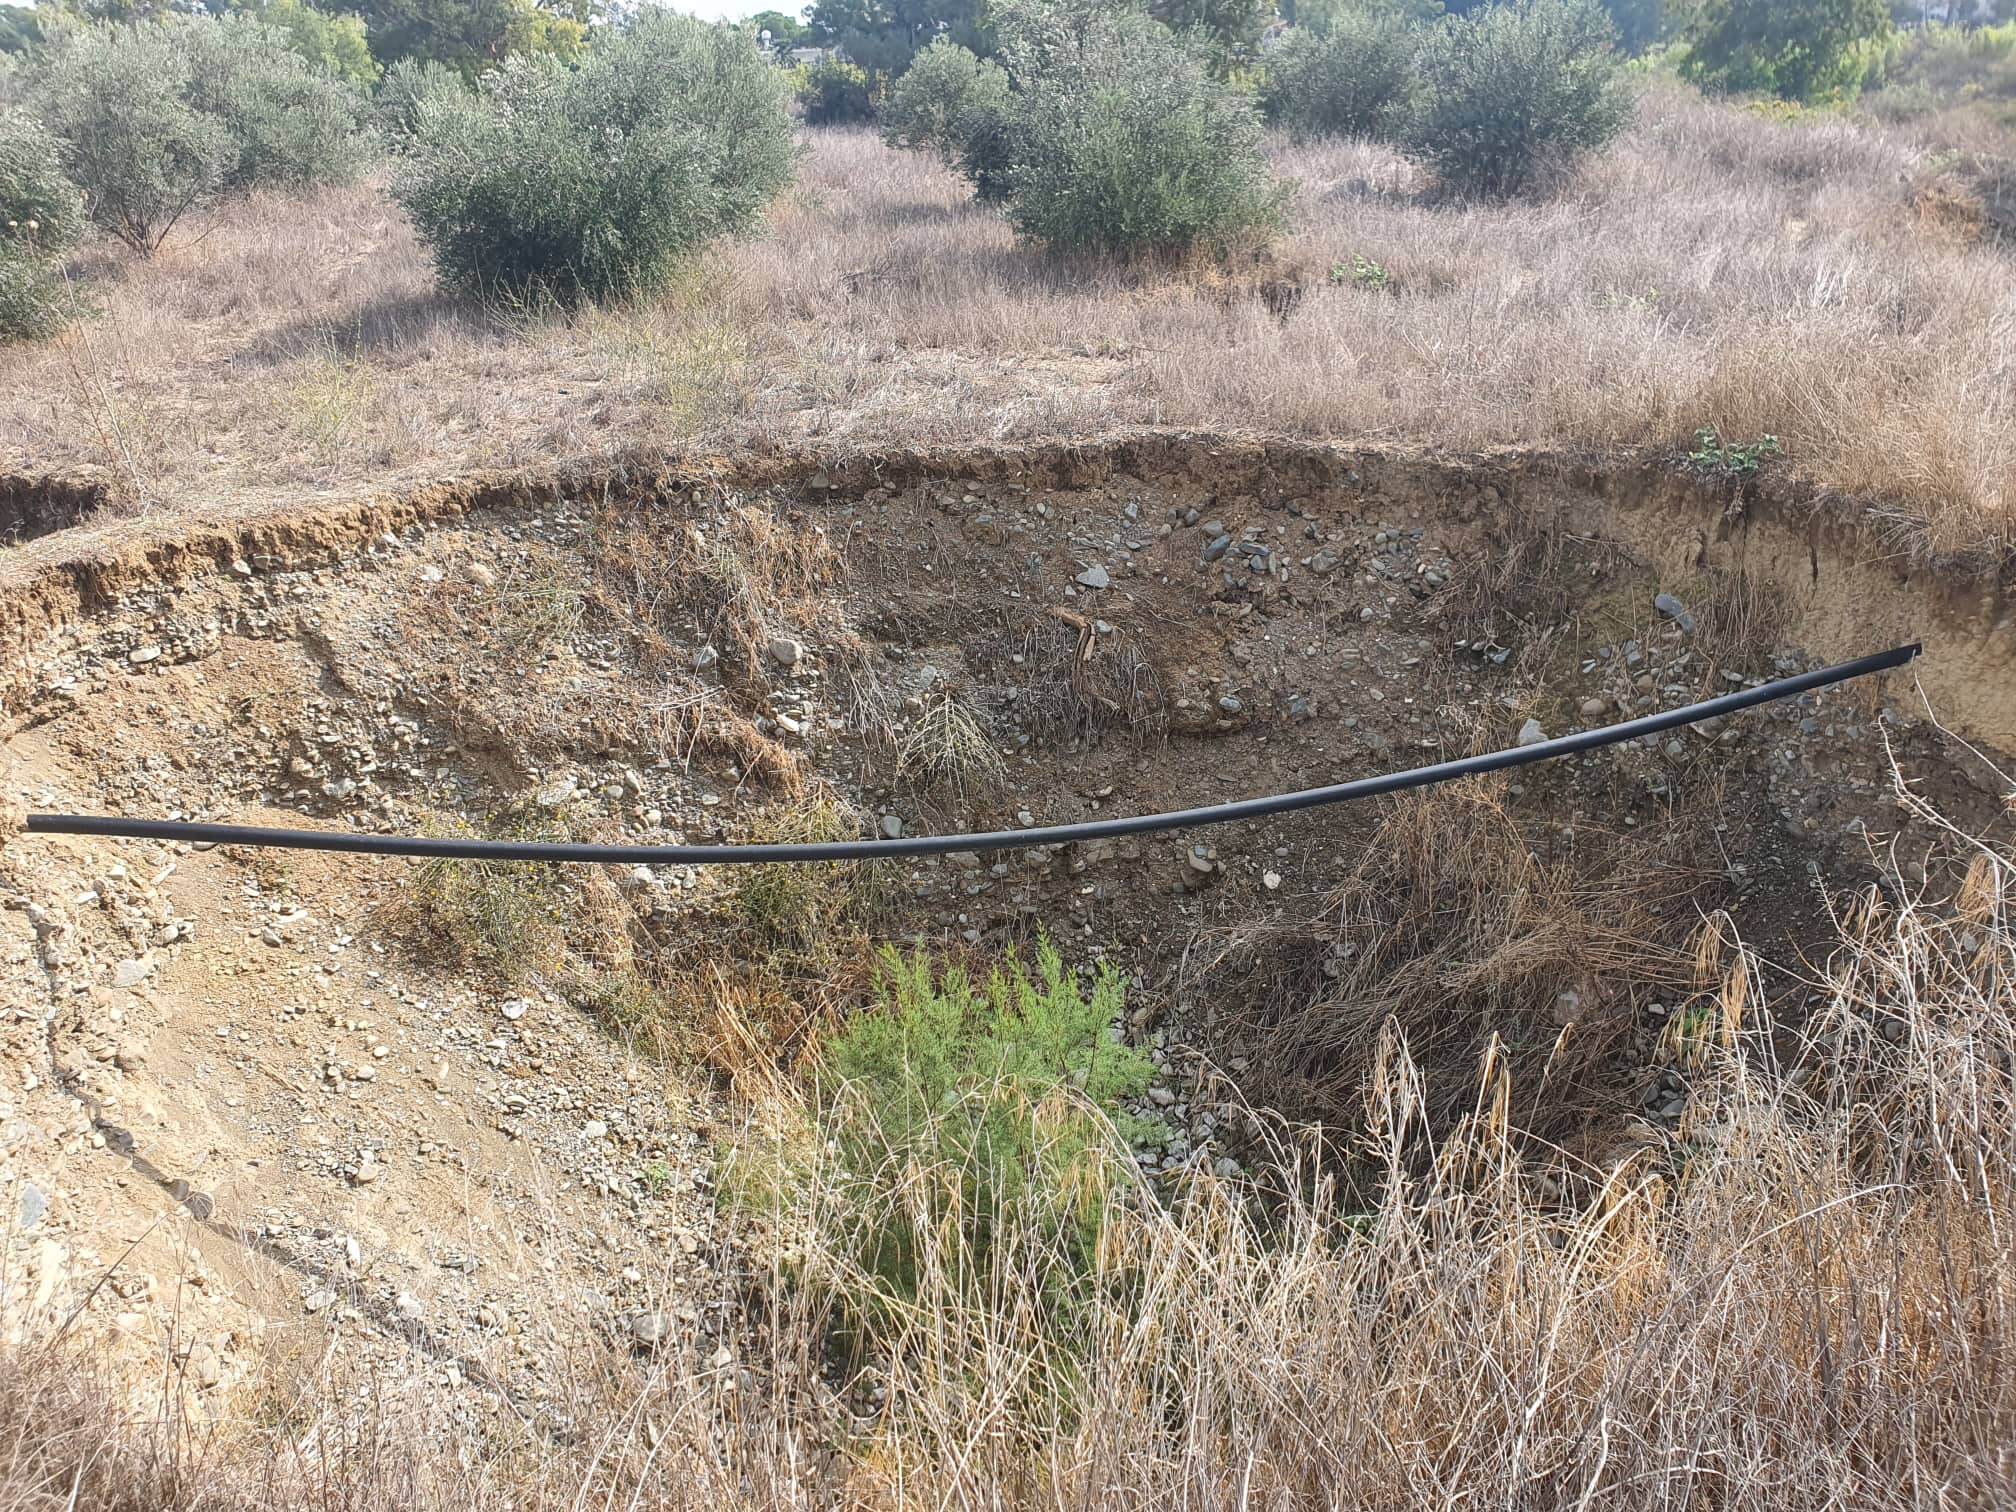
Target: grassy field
[(1829, 281)]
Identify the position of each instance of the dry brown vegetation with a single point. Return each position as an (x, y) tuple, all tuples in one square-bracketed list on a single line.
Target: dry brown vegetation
[(1830, 281), (1804, 1301)]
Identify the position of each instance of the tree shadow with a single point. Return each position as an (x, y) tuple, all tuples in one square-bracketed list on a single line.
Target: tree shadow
[(379, 327)]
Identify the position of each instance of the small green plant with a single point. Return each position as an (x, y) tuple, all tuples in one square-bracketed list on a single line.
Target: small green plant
[(564, 185), (658, 1179), (503, 917), (960, 1115), (1712, 454), (802, 908), (1361, 273), (1514, 89)]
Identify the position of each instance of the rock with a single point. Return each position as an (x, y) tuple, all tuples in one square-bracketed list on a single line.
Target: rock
[(558, 791), (1231, 705), (1162, 1097), (892, 827), (594, 1129), (1217, 547), (317, 1300), (785, 651), (1671, 608), (408, 1307), (1095, 577), (1271, 881), (1530, 733), (1594, 708), (480, 575), (33, 1205), (367, 1170), (204, 1367), (705, 657), (1226, 1169), (142, 655), (650, 1329), (1200, 860), (130, 973)]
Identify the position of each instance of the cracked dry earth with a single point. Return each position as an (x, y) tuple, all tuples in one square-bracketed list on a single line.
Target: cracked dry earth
[(258, 1114)]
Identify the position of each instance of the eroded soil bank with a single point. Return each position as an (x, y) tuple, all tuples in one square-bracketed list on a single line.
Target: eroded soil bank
[(378, 1107)]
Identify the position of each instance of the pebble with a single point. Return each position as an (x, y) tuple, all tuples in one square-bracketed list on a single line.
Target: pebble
[(705, 657), (594, 1129), (480, 575), (33, 1205), (317, 1300), (408, 1307), (892, 827), (130, 973), (1530, 733), (785, 651), (1162, 1097), (1674, 610), (1594, 708), (651, 1329), (1095, 577), (144, 655), (514, 1009)]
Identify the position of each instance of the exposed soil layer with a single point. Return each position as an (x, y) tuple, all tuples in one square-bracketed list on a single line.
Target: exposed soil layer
[(376, 1103)]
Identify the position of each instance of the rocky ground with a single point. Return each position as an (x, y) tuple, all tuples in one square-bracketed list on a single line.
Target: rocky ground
[(255, 1107)]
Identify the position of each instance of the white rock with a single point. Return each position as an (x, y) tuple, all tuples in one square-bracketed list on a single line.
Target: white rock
[(594, 1129), (785, 651), (1530, 733), (1271, 881), (144, 655), (130, 973)]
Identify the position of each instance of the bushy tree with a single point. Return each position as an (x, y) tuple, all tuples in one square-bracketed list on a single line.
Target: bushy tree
[(1122, 142), (152, 120), (1796, 49), (41, 219), (39, 207), (1228, 29), (955, 104), (410, 88), (1349, 76), (291, 123), (582, 183), (470, 36), (128, 135), (1513, 89), (834, 93), (333, 42), (882, 36)]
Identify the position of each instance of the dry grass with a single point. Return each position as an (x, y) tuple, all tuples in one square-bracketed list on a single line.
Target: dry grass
[(1821, 280), (1805, 1299)]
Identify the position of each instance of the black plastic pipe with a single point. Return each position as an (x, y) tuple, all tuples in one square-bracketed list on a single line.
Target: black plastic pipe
[(938, 845)]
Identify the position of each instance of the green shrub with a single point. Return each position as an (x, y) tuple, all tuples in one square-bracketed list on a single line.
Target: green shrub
[(955, 104), (41, 219), (41, 212), (1352, 80), (1124, 143), (1514, 89), (958, 1114), (292, 125), (1796, 49), (333, 42), (153, 120), (412, 87), (596, 181), (836, 94), (34, 299)]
